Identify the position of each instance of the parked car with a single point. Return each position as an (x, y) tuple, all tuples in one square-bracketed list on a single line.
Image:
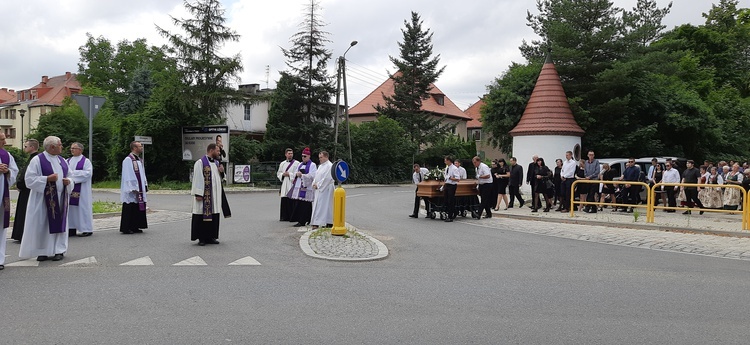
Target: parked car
[(618, 165)]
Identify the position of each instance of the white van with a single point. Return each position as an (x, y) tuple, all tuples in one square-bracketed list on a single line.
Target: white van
[(619, 164)]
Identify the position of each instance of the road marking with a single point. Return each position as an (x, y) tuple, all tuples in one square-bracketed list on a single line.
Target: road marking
[(354, 195), (246, 261), (25, 263), (85, 261), (144, 261), (194, 261)]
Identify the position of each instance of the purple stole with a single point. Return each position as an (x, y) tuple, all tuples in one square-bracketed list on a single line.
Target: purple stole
[(56, 212), (287, 169), (207, 185), (75, 196), (5, 159), (137, 170), (302, 188)]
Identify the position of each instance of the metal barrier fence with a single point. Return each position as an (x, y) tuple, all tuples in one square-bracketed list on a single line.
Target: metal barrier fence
[(651, 196), (615, 204), (745, 210)]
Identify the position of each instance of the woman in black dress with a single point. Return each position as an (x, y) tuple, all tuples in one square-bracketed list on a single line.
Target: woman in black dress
[(608, 190), (542, 174), (503, 177), (582, 189)]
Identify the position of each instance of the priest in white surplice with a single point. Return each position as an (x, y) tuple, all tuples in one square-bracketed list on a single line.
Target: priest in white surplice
[(81, 213), (8, 172), (133, 190), (287, 169), (45, 232), (322, 214), (206, 193)]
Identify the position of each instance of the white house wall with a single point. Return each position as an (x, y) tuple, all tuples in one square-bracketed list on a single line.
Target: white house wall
[(549, 147), (258, 118)]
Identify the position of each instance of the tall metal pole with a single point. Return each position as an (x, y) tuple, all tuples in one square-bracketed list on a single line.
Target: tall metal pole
[(338, 106), (346, 109), (23, 112), (91, 123)]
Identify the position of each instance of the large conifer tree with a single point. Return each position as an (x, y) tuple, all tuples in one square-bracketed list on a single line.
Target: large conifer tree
[(301, 111), (207, 73), (416, 69)]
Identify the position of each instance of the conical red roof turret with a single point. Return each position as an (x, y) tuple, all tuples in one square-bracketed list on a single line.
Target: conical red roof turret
[(548, 111)]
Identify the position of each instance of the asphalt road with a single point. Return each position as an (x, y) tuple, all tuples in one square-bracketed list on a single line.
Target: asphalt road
[(443, 283)]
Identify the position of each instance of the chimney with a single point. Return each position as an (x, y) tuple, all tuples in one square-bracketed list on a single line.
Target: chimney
[(45, 79), (5, 89), (67, 75)]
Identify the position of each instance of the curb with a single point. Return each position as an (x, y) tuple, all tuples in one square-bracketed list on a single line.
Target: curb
[(305, 246), (634, 226)]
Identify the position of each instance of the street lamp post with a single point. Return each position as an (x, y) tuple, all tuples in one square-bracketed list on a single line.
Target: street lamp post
[(341, 74), (22, 112)]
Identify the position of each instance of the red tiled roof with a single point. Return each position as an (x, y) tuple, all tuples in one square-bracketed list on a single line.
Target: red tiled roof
[(50, 91), (474, 112), (6, 95), (366, 107), (548, 111)]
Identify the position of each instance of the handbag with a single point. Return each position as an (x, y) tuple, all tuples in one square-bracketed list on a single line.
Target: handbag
[(549, 184)]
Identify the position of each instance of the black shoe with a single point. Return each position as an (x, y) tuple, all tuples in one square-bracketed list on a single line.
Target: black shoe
[(57, 257), (42, 258), (546, 209), (85, 234), (201, 243), (534, 210), (448, 220), (137, 231), (128, 232), (701, 213), (511, 206), (71, 232), (413, 216), (212, 241), (2, 267), (488, 216), (521, 204), (298, 224), (686, 212)]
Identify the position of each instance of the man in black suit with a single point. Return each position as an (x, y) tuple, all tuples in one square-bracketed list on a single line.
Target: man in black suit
[(516, 181), (531, 179)]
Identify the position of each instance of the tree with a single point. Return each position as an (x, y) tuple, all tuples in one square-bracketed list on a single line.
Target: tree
[(416, 71), (206, 74), (644, 23), (300, 111), (381, 152)]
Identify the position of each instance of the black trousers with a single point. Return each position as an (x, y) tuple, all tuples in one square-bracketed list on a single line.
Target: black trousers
[(691, 194), (591, 196), (449, 191), (630, 195), (515, 193), (417, 200), (565, 201), (486, 204), (671, 201), (533, 191)]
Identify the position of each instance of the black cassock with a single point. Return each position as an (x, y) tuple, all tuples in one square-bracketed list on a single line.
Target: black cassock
[(23, 199)]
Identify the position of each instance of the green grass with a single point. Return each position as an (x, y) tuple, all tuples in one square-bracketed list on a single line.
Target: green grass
[(163, 185), (106, 207)]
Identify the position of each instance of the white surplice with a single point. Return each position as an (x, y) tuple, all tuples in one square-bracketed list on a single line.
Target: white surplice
[(11, 178), (199, 185), (81, 217), (286, 181), (304, 182), (322, 212), (37, 241), (129, 183)]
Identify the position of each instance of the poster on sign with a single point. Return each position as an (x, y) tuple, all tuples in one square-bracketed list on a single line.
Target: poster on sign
[(196, 139), (242, 174)]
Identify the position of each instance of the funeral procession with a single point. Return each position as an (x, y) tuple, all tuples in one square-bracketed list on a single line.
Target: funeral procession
[(375, 172)]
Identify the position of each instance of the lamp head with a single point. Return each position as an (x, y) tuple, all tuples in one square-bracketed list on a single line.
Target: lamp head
[(354, 43), (22, 112)]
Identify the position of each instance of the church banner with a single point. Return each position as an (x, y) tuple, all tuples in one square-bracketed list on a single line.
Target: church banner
[(196, 139)]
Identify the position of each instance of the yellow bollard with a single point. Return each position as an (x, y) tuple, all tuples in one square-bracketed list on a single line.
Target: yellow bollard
[(339, 212)]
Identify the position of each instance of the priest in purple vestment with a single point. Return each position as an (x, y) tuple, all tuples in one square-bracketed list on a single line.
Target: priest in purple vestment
[(45, 232), (207, 201), (8, 171)]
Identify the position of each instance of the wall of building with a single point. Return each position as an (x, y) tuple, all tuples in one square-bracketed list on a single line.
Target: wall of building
[(549, 147)]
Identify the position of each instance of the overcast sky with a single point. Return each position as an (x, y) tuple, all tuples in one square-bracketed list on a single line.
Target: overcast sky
[(477, 40)]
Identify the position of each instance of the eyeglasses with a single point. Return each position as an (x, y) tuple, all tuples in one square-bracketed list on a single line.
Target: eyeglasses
[(631, 161)]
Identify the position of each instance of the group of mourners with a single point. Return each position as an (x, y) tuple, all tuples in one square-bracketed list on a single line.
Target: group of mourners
[(555, 185), (306, 190)]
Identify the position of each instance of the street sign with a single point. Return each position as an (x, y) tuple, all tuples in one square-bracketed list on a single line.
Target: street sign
[(144, 140), (92, 108), (340, 171)]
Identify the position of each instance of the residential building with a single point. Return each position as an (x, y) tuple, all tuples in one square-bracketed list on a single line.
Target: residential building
[(438, 104), (29, 105), (250, 118), (474, 131)]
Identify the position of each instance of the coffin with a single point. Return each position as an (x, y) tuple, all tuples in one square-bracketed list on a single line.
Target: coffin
[(430, 188)]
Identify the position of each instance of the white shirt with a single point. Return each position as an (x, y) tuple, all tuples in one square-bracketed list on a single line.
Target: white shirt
[(568, 169), (482, 170), (420, 176), (452, 171), (670, 176)]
